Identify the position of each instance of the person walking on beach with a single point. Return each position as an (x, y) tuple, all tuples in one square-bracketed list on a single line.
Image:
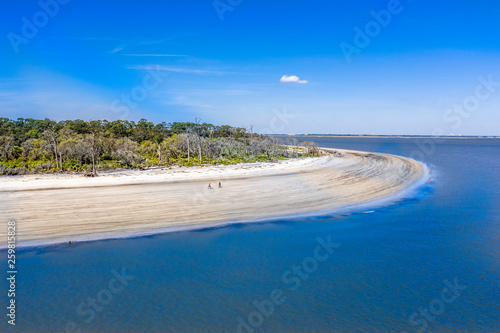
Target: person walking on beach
[(220, 184), (209, 186)]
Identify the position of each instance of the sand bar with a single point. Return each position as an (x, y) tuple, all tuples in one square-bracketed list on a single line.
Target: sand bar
[(61, 208)]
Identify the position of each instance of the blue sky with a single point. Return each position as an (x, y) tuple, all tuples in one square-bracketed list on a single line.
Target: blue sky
[(414, 72)]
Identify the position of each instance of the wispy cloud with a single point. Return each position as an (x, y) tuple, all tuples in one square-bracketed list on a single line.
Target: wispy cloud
[(181, 70), (106, 39), (117, 49), (292, 78), (141, 43), (154, 55), (212, 92), (186, 101), (120, 43)]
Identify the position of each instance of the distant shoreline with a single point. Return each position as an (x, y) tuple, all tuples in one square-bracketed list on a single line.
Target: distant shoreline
[(385, 136)]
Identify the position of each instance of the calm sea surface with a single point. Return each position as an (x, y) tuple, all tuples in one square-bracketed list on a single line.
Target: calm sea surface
[(430, 263)]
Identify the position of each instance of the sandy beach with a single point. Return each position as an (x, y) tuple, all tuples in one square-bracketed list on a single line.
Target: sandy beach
[(61, 208)]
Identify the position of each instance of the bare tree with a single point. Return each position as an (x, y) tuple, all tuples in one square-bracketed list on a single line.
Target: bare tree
[(52, 135), (198, 128), (211, 133), (159, 141), (187, 131), (92, 152), (94, 128), (126, 151), (251, 140), (312, 148)]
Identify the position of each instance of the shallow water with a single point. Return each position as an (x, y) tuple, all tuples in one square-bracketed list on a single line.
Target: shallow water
[(386, 275)]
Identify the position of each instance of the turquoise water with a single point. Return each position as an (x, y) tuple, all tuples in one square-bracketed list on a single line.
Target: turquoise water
[(430, 263)]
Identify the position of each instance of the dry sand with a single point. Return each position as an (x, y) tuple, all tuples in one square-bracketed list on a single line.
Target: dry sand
[(61, 208)]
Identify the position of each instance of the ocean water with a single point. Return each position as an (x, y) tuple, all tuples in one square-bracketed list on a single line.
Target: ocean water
[(428, 263)]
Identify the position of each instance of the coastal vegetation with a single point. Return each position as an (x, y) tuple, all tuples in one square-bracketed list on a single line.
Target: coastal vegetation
[(34, 145)]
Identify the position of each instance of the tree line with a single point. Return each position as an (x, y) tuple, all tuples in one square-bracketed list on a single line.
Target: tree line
[(30, 145)]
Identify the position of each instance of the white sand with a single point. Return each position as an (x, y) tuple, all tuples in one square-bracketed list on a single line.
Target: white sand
[(60, 208)]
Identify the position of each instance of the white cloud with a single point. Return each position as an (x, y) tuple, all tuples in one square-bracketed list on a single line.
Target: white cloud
[(292, 78)]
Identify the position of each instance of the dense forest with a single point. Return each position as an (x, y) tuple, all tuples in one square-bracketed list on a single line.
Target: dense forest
[(34, 146)]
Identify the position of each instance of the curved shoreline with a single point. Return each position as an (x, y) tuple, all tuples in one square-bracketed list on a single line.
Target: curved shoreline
[(131, 204)]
